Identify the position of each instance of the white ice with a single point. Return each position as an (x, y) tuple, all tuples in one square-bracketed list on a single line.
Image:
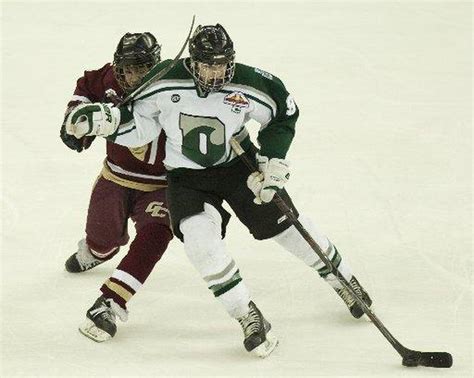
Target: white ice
[(381, 162)]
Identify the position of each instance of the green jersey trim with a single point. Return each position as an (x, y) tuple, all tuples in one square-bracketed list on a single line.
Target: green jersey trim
[(125, 131), (126, 120), (171, 88)]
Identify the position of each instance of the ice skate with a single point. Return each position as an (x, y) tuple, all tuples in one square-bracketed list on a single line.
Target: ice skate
[(259, 339), (351, 303), (82, 260), (101, 325)]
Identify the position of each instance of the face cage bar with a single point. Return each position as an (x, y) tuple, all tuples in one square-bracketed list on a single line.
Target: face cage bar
[(119, 73), (216, 83)]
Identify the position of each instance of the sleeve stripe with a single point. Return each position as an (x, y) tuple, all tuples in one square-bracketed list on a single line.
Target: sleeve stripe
[(167, 85)]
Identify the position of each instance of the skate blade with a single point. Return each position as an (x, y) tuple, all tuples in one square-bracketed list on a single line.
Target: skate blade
[(267, 347), (89, 329)]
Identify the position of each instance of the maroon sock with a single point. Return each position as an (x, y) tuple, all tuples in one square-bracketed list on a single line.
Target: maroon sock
[(145, 251)]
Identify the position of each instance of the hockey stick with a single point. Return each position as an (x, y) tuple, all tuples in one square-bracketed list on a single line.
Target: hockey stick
[(157, 75), (409, 357)]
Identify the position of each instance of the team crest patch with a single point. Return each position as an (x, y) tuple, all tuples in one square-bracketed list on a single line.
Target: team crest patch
[(237, 99)]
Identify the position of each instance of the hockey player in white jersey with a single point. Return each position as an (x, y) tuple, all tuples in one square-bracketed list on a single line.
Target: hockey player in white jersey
[(201, 103)]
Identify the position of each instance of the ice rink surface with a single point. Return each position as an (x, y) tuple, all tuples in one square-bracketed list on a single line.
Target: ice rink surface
[(381, 161)]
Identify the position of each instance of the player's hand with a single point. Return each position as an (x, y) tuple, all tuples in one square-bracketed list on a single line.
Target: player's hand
[(274, 174), (70, 140), (93, 119), (73, 143)]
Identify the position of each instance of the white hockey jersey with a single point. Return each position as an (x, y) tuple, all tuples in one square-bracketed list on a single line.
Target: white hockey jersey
[(198, 129)]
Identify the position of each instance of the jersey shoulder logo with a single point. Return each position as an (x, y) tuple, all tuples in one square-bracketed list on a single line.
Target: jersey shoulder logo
[(264, 73), (237, 99)]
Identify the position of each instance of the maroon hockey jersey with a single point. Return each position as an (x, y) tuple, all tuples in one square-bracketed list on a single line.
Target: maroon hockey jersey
[(137, 168)]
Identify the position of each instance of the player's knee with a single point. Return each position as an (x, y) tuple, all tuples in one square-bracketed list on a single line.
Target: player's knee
[(291, 239), (201, 232), (105, 245), (153, 239), (203, 244), (155, 233), (318, 236)]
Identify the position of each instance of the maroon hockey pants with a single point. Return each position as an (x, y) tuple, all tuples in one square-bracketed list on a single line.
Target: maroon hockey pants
[(110, 207)]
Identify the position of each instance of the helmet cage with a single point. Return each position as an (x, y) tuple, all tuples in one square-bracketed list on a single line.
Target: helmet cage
[(121, 77), (212, 83), (137, 53)]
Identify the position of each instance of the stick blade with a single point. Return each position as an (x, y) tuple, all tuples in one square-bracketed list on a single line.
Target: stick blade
[(429, 359)]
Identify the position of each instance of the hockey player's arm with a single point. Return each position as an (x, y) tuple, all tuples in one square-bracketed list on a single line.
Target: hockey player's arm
[(86, 87), (137, 127), (118, 125), (275, 136)]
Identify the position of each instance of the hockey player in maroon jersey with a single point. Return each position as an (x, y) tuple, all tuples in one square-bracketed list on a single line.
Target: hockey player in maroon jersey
[(131, 185)]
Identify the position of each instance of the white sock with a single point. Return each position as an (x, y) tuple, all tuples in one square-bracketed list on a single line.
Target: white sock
[(293, 242), (236, 300), (207, 252)]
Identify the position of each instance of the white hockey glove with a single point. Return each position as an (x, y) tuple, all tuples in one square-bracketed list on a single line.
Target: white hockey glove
[(274, 174), (93, 119)]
